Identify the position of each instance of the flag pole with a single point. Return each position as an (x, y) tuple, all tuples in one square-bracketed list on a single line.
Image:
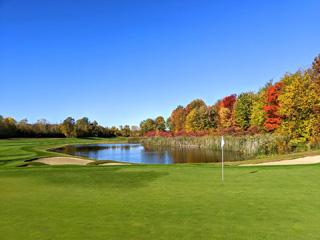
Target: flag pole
[(222, 143), (222, 163)]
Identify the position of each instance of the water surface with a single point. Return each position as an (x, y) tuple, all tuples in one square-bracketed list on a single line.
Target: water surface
[(138, 153)]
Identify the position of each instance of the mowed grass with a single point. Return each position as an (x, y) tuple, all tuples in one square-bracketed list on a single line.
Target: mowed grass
[(159, 202), (15, 151)]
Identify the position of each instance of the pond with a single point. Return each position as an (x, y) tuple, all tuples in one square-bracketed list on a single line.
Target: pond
[(138, 153)]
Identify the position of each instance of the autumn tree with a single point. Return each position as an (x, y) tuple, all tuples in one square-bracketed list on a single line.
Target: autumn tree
[(178, 119), (147, 125), (125, 132), (160, 123), (225, 110), (9, 127), (135, 131), (272, 105), (297, 100), (68, 127), (23, 128), (195, 104), (114, 131), (258, 115), (82, 127), (195, 119), (315, 78)]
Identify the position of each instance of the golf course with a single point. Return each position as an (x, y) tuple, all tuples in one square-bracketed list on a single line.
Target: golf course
[(181, 201)]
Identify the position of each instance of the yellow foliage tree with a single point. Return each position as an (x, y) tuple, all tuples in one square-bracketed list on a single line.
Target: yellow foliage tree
[(296, 109), (225, 119)]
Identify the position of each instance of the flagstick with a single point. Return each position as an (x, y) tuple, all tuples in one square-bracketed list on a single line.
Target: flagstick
[(222, 163), (222, 143)]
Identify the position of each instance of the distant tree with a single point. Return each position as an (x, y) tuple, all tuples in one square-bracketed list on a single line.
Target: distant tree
[(68, 127), (2, 130), (258, 115), (228, 102), (225, 110), (83, 127), (23, 128), (212, 118), (272, 105), (195, 104), (296, 109), (242, 110), (41, 128), (114, 131), (225, 117), (315, 69), (135, 131), (126, 131), (160, 123), (83, 122), (147, 125), (197, 120), (9, 127), (168, 125), (178, 119)]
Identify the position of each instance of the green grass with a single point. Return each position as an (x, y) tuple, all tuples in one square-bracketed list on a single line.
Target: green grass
[(154, 201), (14, 152)]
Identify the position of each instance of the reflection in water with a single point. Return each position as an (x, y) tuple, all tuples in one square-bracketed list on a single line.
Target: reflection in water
[(137, 153)]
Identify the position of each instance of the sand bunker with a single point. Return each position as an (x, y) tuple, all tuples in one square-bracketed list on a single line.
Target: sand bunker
[(63, 161), (70, 160), (305, 160)]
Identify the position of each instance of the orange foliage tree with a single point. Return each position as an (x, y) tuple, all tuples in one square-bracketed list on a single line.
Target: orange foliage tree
[(272, 106)]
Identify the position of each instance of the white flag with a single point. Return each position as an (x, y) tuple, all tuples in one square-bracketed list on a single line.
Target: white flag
[(222, 142)]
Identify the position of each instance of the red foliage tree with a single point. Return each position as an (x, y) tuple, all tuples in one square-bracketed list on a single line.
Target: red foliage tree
[(228, 102), (272, 105)]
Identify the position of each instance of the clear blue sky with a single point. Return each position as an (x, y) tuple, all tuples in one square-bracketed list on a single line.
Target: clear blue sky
[(120, 62)]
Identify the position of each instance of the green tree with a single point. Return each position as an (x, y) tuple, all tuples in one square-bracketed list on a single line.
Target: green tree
[(126, 131), (147, 125), (258, 115), (160, 123), (168, 125), (242, 110), (83, 127)]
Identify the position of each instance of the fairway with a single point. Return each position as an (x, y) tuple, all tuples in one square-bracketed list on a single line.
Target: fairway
[(158, 201)]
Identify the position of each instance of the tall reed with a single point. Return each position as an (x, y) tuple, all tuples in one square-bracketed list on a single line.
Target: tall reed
[(249, 145)]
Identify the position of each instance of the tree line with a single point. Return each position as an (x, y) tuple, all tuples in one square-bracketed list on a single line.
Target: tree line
[(70, 127), (290, 107)]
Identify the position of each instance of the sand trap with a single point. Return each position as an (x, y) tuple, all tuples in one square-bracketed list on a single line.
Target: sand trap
[(305, 160), (63, 161)]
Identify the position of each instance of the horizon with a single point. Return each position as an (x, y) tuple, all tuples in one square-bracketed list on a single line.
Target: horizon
[(121, 63)]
